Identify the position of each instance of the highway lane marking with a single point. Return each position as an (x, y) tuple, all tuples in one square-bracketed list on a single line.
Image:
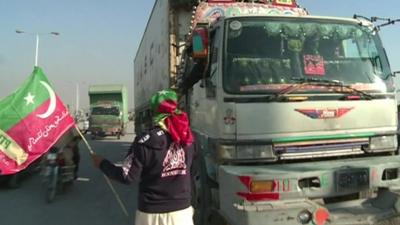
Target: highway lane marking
[(82, 179)]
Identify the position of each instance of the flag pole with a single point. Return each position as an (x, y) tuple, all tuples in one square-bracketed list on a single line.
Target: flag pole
[(84, 139), (121, 204), (37, 50)]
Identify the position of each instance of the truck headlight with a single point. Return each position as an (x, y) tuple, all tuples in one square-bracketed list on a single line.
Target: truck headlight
[(245, 152), (382, 143)]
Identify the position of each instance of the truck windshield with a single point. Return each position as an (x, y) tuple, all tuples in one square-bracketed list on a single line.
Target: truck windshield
[(269, 55), (114, 111)]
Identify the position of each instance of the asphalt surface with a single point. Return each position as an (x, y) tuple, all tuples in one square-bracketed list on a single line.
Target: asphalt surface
[(90, 201)]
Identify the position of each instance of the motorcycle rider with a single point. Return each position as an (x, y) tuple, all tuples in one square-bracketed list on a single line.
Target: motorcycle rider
[(71, 154)]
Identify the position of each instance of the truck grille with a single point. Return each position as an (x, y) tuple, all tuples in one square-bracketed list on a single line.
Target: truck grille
[(320, 148)]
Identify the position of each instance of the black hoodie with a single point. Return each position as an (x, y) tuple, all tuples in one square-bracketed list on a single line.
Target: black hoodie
[(162, 169)]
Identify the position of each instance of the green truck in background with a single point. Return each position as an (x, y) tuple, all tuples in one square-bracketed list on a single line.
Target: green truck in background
[(108, 110)]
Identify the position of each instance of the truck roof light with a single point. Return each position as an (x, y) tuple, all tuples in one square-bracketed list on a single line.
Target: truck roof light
[(287, 3)]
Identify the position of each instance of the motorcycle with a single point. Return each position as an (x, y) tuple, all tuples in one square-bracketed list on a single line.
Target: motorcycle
[(57, 174)]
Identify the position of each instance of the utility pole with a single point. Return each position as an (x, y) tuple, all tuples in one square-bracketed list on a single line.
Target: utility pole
[(37, 41), (77, 99)]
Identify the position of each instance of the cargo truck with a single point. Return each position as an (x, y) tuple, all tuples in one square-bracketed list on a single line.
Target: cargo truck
[(108, 110), (294, 114)]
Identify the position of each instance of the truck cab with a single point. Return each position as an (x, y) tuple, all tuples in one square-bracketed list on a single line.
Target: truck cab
[(106, 119)]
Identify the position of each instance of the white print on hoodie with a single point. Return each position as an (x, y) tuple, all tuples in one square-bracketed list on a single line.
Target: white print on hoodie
[(174, 162)]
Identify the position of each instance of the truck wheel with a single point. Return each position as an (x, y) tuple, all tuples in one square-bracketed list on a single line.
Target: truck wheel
[(205, 213)]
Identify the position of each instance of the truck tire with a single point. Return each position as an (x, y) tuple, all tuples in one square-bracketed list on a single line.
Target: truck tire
[(205, 211)]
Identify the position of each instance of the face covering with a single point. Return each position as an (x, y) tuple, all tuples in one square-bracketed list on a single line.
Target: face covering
[(169, 118)]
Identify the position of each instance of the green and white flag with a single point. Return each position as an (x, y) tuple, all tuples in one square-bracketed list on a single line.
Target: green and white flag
[(32, 119)]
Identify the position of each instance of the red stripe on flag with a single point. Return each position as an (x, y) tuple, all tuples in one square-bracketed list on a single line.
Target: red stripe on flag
[(36, 135)]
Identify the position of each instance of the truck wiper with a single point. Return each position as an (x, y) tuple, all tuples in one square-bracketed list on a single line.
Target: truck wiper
[(303, 81)]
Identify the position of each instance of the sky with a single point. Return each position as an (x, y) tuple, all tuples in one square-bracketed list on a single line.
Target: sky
[(99, 38), (97, 43)]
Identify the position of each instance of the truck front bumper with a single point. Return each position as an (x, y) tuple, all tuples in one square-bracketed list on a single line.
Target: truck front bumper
[(289, 201), (104, 131), (357, 212)]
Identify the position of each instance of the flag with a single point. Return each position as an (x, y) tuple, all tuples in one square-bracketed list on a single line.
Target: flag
[(32, 119)]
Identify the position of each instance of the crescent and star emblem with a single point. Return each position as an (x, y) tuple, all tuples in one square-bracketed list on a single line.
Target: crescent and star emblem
[(52, 105)]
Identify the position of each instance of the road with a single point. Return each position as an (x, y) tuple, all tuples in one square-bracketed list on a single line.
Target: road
[(86, 202)]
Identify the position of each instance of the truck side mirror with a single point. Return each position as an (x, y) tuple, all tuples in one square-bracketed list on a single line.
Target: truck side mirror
[(200, 43)]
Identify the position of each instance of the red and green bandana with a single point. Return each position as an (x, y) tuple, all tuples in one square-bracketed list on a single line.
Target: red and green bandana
[(168, 117), (33, 118)]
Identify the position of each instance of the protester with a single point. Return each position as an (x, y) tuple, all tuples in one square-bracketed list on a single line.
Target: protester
[(160, 161), (72, 155)]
